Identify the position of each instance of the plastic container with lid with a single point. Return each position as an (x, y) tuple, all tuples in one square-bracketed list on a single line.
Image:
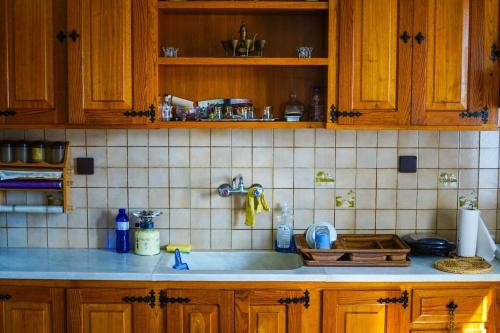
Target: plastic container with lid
[(21, 151), (37, 152), (147, 239), (55, 154), (6, 152)]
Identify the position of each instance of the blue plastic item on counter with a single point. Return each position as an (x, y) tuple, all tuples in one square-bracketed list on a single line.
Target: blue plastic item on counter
[(122, 231), (178, 262), (322, 238)]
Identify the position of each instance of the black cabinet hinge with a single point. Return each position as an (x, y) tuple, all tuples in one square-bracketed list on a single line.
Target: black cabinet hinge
[(405, 37), (420, 38), (403, 300), (164, 299), (61, 36), (495, 53), (151, 299), (5, 297), (483, 114), (297, 300), (150, 113), (74, 35), (8, 113), (335, 114)]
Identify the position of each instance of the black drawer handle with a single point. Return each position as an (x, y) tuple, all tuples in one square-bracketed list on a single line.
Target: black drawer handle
[(405, 37), (297, 300), (151, 299), (74, 35), (420, 38), (403, 300), (483, 114), (164, 300)]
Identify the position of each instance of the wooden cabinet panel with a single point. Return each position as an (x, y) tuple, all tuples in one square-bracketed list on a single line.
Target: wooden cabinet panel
[(451, 70), (359, 312), (429, 305), (375, 64), (32, 309), (105, 311), (32, 61), (111, 64), (259, 311), (203, 311)]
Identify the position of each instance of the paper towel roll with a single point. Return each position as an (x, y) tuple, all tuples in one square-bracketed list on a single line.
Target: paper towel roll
[(485, 247), (468, 221)]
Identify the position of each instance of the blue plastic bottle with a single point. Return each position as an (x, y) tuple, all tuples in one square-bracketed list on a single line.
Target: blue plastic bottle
[(122, 232)]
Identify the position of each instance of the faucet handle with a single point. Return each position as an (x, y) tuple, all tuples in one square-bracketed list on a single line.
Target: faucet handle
[(224, 190), (257, 190)]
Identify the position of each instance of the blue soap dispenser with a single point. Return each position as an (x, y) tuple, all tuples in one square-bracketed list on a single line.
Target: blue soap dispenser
[(284, 235), (122, 231)]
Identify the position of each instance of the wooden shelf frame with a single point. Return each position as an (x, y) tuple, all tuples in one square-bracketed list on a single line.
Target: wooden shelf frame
[(243, 124), (241, 61), (244, 5)]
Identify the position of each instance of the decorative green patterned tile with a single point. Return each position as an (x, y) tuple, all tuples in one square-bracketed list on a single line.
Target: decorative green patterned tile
[(324, 178), (448, 179), (347, 201), (468, 201)]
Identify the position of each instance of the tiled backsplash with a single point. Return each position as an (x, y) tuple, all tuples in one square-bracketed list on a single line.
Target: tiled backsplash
[(178, 171)]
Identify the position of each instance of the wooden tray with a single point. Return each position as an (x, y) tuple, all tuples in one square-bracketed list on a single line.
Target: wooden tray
[(357, 250)]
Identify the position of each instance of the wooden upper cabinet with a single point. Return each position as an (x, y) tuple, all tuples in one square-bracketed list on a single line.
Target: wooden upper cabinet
[(267, 311), (199, 311), (452, 72), (32, 309), (374, 63), (111, 60), (32, 62), (106, 311), (360, 312)]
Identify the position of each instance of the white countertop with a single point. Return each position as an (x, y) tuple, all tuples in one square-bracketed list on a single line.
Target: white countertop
[(95, 264)]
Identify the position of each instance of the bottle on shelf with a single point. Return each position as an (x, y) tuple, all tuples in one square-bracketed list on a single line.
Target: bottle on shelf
[(294, 110), (316, 109), (122, 231)]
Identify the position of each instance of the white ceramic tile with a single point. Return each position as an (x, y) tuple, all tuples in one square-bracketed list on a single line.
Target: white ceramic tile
[(179, 157), (345, 178), (283, 157), (324, 215), (158, 198), (303, 198), (137, 177), (200, 157), (446, 219), (489, 139), (200, 198), (324, 158), (387, 139), (159, 156), (303, 218), (385, 219), (99, 178), (200, 239), (200, 177), (488, 178), (57, 220), (468, 178), (262, 157), (262, 239), (79, 197), (76, 137), (97, 197), (117, 177), (17, 237), (406, 219), (345, 219), (324, 199), (387, 158), (447, 199), (262, 138), (407, 199), (137, 157), (303, 178), (220, 218), (180, 218), (36, 220), (448, 139), (241, 239), (178, 137), (365, 219), (263, 176), (303, 157), (345, 157), (220, 156), (448, 158), (220, 137), (180, 236), (367, 139), (97, 238), (386, 178), (220, 176), (241, 157), (427, 199), (117, 137), (304, 137), (158, 138), (14, 134), (16, 198), (57, 238), (158, 177), (220, 239), (386, 199), (487, 198), (427, 178), (428, 158), (469, 139), (137, 137), (366, 157), (407, 180), (325, 138), (179, 198), (138, 198), (37, 237), (488, 158), (99, 154), (16, 220), (57, 135), (468, 158), (365, 199), (283, 178), (96, 137), (200, 137), (283, 137), (117, 197), (241, 137), (35, 135), (117, 156), (78, 238), (408, 139), (428, 139), (78, 218), (3, 237), (345, 138), (366, 178)]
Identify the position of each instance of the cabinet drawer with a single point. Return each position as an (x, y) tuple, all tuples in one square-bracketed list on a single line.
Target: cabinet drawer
[(429, 305)]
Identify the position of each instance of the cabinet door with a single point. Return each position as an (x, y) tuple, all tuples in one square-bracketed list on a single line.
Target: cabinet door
[(267, 311), (111, 62), (359, 312), (452, 72), (198, 311), (32, 62), (32, 309), (108, 311), (374, 62)]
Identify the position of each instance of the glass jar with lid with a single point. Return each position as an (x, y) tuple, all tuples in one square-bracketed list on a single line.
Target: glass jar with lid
[(37, 152), (6, 152), (55, 154), (21, 151)]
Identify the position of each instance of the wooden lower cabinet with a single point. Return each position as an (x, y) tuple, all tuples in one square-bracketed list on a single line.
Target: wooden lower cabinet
[(197, 311), (32, 309), (111, 311), (270, 311), (359, 311)]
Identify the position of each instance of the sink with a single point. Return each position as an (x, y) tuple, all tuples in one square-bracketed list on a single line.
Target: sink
[(238, 260)]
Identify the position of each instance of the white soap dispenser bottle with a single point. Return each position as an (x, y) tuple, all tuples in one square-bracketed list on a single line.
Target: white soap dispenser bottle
[(284, 237)]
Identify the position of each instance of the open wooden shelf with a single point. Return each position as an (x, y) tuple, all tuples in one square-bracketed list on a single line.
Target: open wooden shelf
[(242, 124), (243, 5), (241, 61), (33, 165)]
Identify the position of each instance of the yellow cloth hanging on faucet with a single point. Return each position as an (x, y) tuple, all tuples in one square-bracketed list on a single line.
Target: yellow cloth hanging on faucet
[(254, 205)]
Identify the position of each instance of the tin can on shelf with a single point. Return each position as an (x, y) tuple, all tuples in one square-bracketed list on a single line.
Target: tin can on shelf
[(6, 152), (37, 152), (55, 153), (21, 151)]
